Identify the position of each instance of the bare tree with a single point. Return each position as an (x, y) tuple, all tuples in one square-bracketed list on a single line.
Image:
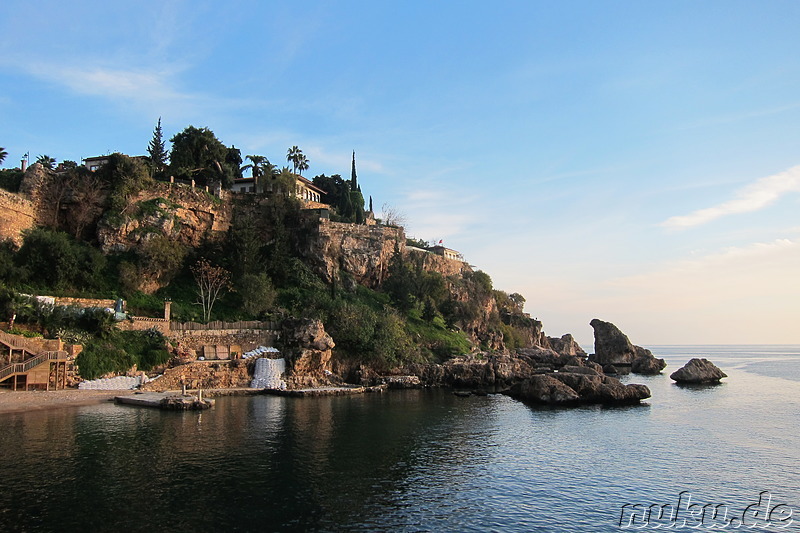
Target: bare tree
[(391, 216), (88, 193), (211, 280)]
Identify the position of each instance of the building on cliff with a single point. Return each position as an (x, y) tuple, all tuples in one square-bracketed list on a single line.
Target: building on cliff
[(309, 194), (94, 163), (446, 252)]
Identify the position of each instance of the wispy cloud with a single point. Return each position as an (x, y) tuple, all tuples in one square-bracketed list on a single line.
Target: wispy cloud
[(753, 197)]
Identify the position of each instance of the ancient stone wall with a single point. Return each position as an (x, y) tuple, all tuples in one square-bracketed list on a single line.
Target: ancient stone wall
[(85, 302), (16, 215), (137, 323), (244, 339)]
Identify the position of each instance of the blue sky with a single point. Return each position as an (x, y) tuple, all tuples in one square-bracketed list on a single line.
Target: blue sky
[(635, 161)]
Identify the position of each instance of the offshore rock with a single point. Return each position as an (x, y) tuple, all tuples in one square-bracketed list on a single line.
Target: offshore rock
[(646, 363), (544, 389), (566, 345), (612, 347), (698, 371)]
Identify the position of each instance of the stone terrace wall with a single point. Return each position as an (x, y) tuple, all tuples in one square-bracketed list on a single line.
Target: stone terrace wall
[(138, 323), (86, 302), (244, 339), (16, 215)]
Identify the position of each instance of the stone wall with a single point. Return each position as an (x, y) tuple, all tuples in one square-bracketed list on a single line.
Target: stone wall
[(205, 375), (137, 323), (16, 215), (86, 302), (244, 339)]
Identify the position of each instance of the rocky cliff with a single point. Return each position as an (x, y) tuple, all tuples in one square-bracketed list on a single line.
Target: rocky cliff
[(184, 214), (612, 348), (364, 252)]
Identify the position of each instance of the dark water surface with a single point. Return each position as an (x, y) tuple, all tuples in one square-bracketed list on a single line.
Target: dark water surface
[(410, 460)]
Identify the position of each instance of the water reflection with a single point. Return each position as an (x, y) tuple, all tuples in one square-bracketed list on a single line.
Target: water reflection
[(408, 461)]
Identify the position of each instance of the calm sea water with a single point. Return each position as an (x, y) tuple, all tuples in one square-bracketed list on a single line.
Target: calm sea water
[(412, 460)]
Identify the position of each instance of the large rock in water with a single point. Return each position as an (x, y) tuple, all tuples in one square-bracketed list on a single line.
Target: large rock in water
[(576, 388), (612, 347), (698, 371)]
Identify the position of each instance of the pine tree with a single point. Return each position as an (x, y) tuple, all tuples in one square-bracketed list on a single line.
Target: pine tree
[(157, 149), (353, 179)]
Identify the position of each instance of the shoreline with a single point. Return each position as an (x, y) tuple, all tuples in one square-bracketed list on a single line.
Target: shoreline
[(26, 401)]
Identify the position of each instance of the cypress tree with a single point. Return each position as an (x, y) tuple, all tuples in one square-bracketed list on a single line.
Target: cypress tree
[(157, 149), (353, 179)]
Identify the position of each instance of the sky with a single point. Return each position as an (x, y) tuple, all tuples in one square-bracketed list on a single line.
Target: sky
[(637, 162)]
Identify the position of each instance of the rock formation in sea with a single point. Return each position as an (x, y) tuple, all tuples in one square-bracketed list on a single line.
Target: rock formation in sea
[(698, 371), (612, 347), (537, 375)]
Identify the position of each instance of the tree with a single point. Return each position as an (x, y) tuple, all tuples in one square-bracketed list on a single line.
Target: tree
[(198, 154), (353, 178), (46, 161), (68, 164), (211, 280), (256, 162), (258, 294), (295, 156), (392, 216), (3, 154), (125, 177), (157, 148), (233, 161), (302, 164)]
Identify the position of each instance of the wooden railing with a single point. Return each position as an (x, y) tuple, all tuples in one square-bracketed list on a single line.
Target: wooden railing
[(21, 368), (20, 343)]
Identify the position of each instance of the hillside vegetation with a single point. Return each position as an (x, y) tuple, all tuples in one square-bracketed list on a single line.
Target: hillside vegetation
[(121, 232)]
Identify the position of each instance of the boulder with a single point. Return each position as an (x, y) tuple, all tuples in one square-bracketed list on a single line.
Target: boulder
[(573, 388), (544, 389), (698, 371), (612, 347), (566, 345), (646, 363), (308, 353)]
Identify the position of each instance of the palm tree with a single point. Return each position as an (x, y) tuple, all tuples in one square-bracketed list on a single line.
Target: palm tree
[(3, 154), (293, 156), (46, 161), (257, 162), (302, 163)]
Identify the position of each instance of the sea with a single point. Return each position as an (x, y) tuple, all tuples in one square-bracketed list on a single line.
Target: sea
[(689, 458)]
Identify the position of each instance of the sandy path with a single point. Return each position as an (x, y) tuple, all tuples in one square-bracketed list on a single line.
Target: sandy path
[(15, 402)]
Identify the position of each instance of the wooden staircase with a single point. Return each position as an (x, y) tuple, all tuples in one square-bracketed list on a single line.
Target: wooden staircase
[(37, 370)]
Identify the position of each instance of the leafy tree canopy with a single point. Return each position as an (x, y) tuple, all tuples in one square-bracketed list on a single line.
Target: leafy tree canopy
[(198, 154)]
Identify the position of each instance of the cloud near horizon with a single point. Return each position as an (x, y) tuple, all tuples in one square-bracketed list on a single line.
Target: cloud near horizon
[(753, 197)]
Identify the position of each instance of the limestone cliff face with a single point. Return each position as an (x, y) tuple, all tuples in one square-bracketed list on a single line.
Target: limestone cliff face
[(364, 252), (184, 214), (436, 263)]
